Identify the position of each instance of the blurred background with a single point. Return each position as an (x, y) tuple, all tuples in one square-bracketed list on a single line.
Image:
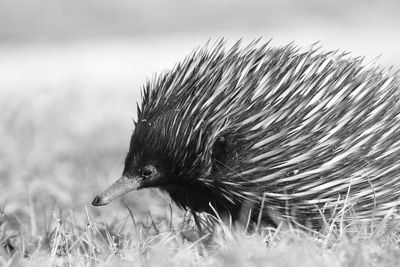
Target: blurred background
[(71, 73)]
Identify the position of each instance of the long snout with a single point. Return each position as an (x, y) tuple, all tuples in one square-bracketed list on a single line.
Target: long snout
[(122, 186)]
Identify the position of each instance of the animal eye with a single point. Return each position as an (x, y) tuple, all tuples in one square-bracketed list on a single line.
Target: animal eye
[(147, 171)]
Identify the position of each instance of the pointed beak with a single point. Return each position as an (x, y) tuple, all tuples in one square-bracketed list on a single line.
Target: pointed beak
[(122, 186)]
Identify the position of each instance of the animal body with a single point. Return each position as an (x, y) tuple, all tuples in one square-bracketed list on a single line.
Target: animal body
[(278, 132)]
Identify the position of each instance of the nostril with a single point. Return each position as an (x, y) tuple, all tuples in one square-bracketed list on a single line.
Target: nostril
[(96, 201)]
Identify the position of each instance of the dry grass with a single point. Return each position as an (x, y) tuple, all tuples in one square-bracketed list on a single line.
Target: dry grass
[(77, 238), (61, 142)]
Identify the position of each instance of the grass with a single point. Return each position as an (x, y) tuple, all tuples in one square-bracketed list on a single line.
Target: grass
[(62, 142), (77, 238)]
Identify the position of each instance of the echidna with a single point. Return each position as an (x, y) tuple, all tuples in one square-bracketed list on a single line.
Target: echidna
[(284, 133)]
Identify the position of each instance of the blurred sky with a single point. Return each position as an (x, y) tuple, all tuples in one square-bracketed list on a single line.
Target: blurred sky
[(103, 41), (43, 20), (119, 39)]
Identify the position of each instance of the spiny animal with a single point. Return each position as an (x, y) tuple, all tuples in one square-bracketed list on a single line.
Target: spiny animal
[(280, 132)]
